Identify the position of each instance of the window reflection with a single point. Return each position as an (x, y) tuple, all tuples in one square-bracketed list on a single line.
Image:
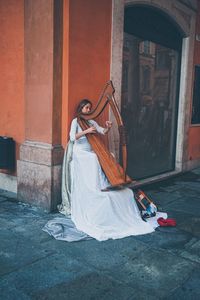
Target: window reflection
[(149, 105)]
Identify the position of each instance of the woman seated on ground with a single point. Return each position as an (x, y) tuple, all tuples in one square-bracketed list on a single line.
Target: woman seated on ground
[(101, 215)]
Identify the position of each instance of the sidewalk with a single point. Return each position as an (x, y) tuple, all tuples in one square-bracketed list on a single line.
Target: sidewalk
[(161, 265)]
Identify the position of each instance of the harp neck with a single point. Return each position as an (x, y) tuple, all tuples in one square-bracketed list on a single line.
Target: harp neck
[(107, 97)]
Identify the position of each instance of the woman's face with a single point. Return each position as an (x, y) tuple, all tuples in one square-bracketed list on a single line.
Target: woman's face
[(86, 109)]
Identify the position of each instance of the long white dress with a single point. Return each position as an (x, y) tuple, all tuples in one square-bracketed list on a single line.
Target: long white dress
[(102, 215)]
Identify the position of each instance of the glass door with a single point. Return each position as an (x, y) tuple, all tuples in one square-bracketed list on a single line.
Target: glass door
[(149, 103)]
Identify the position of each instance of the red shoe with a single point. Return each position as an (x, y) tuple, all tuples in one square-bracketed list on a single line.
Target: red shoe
[(166, 222), (171, 222), (161, 222)]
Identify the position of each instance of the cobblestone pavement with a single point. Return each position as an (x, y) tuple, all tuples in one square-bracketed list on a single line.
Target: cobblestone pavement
[(161, 265)]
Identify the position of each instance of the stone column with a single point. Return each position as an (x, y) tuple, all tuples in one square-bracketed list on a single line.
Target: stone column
[(39, 166)]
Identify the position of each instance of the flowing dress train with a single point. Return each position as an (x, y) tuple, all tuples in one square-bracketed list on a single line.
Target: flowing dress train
[(102, 215)]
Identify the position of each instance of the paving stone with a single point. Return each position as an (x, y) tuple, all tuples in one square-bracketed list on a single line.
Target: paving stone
[(31, 229), (6, 222), (2, 199), (170, 238), (12, 293), (186, 204), (170, 188), (158, 272), (16, 252), (191, 252), (194, 186), (91, 286), (196, 171), (99, 255), (44, 274), (189, 191), (189, 290), (112, 253), (189, 176)]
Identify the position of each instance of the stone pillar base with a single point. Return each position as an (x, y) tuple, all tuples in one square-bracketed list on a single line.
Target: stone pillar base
[(39, 174)]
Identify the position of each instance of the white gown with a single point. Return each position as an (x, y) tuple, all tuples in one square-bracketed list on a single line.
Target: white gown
[(102, 215)]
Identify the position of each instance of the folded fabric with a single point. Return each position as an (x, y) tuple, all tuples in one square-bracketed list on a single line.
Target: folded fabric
[(166, 222)]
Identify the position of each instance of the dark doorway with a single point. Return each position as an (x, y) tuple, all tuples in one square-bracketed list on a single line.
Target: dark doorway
[(150, 84)]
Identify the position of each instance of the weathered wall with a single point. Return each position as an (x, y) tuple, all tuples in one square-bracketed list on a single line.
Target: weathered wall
[(12, 70), (194, 131), (89, 53)]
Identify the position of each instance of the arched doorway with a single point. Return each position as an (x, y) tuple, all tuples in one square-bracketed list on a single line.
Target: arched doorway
[(150, 85)]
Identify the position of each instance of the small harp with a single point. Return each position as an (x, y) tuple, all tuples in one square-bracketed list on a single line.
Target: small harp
[(115, 173)]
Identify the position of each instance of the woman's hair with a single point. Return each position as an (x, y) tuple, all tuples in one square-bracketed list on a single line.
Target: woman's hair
[(82, 104)]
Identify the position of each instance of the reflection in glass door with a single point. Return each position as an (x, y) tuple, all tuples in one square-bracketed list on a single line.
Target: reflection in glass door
[(149, 105)]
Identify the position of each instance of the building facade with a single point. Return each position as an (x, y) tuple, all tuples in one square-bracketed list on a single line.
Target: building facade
[(56, 52)]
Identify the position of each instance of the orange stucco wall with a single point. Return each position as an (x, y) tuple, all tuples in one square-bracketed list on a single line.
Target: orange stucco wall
[(194, 143), (86, 61), (43, 61), (12, 70), (65, 69), (89, 53), (194, 131)]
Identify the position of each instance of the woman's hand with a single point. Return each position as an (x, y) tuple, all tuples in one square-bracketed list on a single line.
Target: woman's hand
[(108, 124), (91, 129)]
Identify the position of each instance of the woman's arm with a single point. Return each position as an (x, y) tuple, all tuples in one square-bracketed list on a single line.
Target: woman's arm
[(74, 135), (73, 130), (100, 129), (91, 129)]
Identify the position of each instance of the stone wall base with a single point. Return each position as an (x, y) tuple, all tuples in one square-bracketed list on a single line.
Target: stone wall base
[(8, 183), (39, 174)]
